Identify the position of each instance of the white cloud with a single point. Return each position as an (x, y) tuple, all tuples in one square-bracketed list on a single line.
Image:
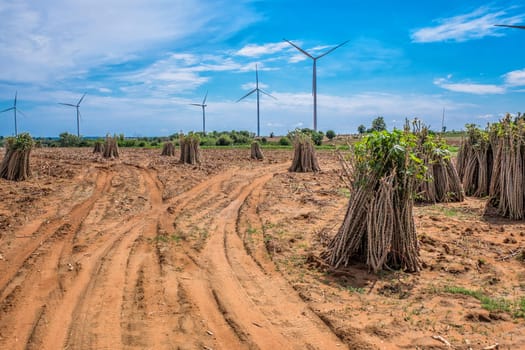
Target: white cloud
[(253, 50), (515, 78), (487, 116), (474, 25), (53, 40), (250, 86), (469, 88), (298, 57), (178, 73)]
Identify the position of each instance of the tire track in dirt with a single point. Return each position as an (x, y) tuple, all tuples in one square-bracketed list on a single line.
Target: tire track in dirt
[(123, 292), (113, 273), (261, 309), (33, 272), (47, 228), (89, 266)]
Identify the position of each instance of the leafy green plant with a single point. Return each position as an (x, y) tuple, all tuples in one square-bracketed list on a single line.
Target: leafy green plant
[(224, 140), (379, 228), (68, 140), (330, 134), (488, 303), (285, 141), (378, 124)]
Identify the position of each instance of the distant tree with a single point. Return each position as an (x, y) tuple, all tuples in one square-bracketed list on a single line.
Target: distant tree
[(68, 140), (330, 134), (316, 136), (285, 141), (378, 124), (224, 140), (361, 129)]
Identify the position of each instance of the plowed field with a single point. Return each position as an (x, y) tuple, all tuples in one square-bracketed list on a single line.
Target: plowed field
[(146, 253)]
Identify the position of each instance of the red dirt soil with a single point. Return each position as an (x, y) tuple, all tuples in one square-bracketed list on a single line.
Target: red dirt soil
[(143, 252)]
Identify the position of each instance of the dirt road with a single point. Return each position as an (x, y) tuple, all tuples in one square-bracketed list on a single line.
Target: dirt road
[(147, 253), (111, 263)]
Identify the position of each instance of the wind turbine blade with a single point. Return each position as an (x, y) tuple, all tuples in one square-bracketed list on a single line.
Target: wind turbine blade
[(256, 77), (264, 92), (332, 49), (509, 26), (248, 94), (67, 104), (196, 104), (19, 111), (79, 101), (8, 109), (16, 93), (205, 97), (298, 48)]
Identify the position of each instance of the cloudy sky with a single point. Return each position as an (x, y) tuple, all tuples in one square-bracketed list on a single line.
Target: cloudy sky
[(142, 63)]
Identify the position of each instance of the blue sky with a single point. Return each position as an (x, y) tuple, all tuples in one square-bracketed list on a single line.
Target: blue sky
[(142, 63)]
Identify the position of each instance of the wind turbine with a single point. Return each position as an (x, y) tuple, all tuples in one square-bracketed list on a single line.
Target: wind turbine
[(258, 93), (203, 105), (14, 110), (509, 26), (77, 106), (314, 80)]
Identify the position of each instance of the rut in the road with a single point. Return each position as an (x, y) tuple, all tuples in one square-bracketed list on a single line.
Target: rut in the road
[(124, 269), (259, 306)]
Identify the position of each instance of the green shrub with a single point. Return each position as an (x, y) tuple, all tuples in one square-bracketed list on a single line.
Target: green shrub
[(127, 143), (208, 141), (22, 142), (316, 136), (224, 140), (330, 134), (285, 141), (68, 140)]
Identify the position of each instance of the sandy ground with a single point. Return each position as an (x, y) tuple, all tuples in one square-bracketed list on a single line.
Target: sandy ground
[(146, 253)]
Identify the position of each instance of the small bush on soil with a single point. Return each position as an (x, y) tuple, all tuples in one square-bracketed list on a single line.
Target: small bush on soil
[(98, 147), (111, 147), (168, 149), (441, 182), (474, 162), (379, 228), (256, 152), (189, 149), (507, 182), (304, 159), (15, 165)]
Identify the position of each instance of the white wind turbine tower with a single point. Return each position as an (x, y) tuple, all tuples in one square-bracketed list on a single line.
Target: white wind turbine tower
[(14, 109), (314, 80), (203, 105), (77, 106), (258, 93)]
